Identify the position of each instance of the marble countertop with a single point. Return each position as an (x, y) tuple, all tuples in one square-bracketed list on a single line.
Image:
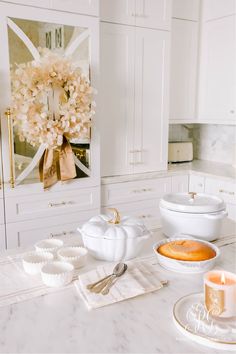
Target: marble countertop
[(60, 322), (201, 167)]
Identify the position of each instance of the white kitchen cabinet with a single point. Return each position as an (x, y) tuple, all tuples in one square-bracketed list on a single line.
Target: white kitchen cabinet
[(153, 14), (147, 211), (26, 233), (2, 238), (179, 184), (213, 9), (144, 13), (27, 204), (134, 113), (120, 193), (122, 11), (117, 98), (183, 76), (217, 85), (15, 21), (226, 190), (86, 7), (196, 184), (30, 207), (151, 100), (36, 3), (186, 9)]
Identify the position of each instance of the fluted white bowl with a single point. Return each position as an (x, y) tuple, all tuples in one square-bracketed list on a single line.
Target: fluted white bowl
[(77, 256), (49, 245), (34, 261), (56, 274)]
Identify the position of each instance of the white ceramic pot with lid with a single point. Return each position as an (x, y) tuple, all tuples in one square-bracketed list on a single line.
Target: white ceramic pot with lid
[(199, 215), (114, 239)]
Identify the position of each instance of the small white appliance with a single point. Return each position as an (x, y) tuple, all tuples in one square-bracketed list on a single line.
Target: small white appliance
[(180, 151)]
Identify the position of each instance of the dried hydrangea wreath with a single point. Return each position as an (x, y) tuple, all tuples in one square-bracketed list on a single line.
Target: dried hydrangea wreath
[(52, 103), (54, 78)]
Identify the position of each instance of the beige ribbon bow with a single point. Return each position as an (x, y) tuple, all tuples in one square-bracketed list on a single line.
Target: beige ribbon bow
[(57, 165)]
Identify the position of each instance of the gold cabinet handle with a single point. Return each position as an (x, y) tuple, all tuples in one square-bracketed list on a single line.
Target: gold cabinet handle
[(142, 190), (226, 192), (60, 234), (51, 205), (10, 142), (145, 216)]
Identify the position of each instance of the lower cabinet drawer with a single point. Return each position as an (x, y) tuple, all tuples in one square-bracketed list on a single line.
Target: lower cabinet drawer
[(231, 209), (28, 232), (51, 204), (2, 238), (1, 211), (147, 211), (179, 184), (118, 193), (226, 190), (196, 184)]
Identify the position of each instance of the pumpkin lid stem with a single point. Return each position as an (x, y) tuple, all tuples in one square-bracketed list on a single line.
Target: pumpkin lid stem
[(116, 216)]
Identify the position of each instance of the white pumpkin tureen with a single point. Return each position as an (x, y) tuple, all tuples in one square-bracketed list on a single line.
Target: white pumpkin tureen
[(114, 239)]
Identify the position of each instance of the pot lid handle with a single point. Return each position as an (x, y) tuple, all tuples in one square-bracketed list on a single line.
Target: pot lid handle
[(116, 216), (192, 194)]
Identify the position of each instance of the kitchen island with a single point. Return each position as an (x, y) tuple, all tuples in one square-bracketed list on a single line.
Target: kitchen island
[(61, 323)]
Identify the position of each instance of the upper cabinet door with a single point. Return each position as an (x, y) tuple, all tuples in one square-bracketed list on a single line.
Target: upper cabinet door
[(217, 93), (212, 9), (142, 13), (151, 99), (23, 31), (153, 13), (117, 99), (118, 11), (186, 9), (87, 7), (42, 3), (184, 55)]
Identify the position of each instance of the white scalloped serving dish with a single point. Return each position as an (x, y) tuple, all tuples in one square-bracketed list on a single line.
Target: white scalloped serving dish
[(56, 274), (189, 267), (77, 256), (49, 245), (34, 261)]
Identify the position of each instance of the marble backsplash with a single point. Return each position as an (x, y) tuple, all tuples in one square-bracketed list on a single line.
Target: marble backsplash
[(211, 142)]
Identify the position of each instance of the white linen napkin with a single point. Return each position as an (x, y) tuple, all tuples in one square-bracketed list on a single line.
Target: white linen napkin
[(140, 278), (16, 285)]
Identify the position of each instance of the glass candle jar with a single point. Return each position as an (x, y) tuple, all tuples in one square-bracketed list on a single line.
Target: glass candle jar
[(220, 293)]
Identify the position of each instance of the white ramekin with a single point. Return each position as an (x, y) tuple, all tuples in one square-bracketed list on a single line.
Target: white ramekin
[(185, 266), (49, 245), (34, 261), (57, 273), (77, 256)]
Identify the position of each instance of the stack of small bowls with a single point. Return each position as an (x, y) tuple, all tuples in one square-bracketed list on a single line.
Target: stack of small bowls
[(54, 261)]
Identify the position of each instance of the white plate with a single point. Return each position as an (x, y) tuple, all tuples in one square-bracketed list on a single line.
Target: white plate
[(186, 267), (192, 320)]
